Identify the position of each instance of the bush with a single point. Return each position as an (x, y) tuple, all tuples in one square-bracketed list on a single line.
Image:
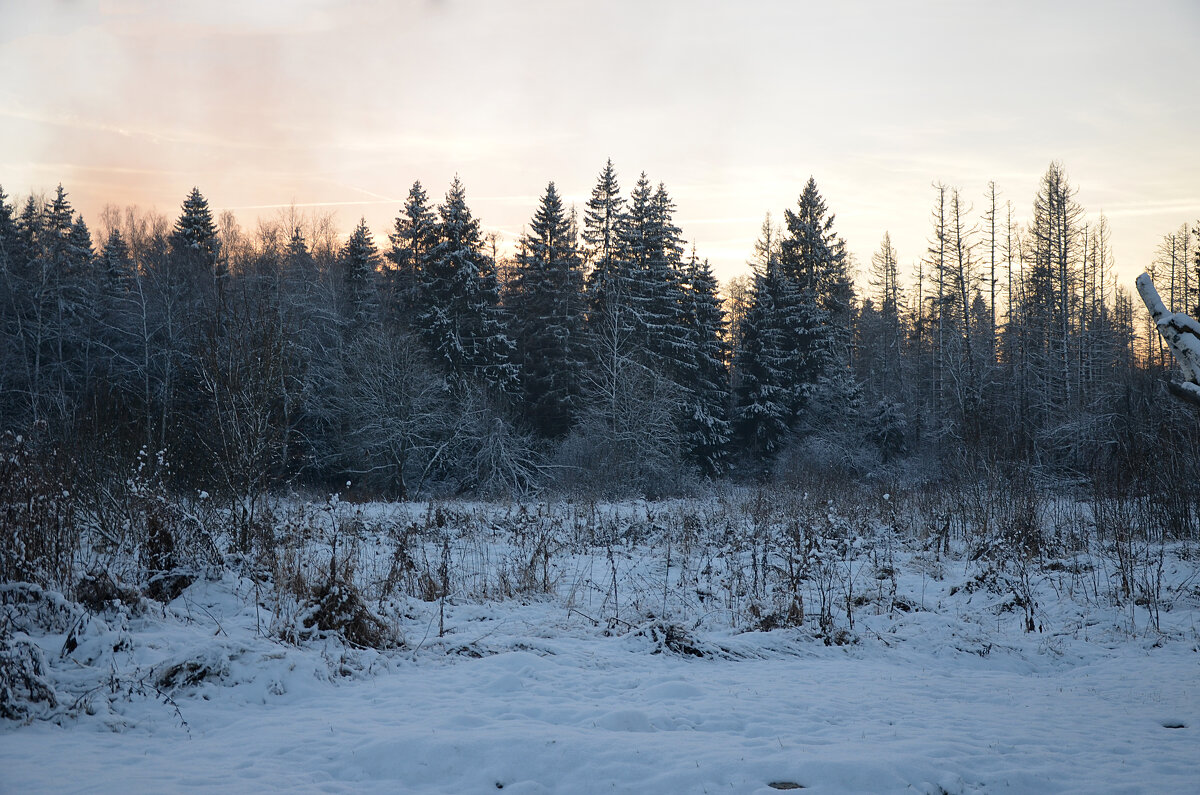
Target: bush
[(38, 540)]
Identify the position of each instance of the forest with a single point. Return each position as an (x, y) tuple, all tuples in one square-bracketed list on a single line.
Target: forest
[(197, 361), (601, 358)]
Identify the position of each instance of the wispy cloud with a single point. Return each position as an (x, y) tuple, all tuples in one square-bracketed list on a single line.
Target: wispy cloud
[(75, 122)]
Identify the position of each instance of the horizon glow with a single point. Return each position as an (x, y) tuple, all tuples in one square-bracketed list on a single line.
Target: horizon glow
[(341, 106)]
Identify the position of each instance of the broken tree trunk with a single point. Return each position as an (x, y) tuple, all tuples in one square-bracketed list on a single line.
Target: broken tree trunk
[(1182, 335)]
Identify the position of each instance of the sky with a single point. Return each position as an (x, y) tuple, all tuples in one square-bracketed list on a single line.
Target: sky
[(340, 106)]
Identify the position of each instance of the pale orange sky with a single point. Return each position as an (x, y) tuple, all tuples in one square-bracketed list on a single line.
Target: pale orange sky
[(732, 105)]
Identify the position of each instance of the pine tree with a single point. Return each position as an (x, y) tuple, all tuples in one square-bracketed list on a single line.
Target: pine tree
[(885, 345), (30, 231), (114, 266), (546, 304), (797, 334), (667, 287), (461, 320), (884, 277), (65, 303)]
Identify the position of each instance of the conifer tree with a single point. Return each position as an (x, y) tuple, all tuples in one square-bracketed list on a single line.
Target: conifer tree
[(766, 400), (12, 364), (667, 287), (8, 229), (706, 423), (297, 258), (359, 263), (461, 320), (653, 284), (195, 234), (813, 257), (413, 238), (603, 225), (546, 304), (884, 345)]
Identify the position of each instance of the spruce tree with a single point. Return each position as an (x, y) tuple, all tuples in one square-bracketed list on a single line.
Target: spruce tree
[(460, 315), (359, 262), (195, 235), (546, 304), (413, 238), (8, 228), (10, 363), (706, 423), (653, 284), (297, 258), (813, 258), (766, 400), (603, 225), (667, 290)]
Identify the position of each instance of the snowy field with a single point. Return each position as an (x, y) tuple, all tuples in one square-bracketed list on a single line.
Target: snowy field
[(606, 670)]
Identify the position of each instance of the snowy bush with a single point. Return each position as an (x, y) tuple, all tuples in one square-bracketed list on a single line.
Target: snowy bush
[(39, 538)]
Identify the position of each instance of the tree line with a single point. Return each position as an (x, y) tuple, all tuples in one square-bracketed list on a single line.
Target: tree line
[(601, 357)]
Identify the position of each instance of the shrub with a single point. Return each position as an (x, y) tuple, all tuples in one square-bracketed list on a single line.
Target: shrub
[(38, 539)]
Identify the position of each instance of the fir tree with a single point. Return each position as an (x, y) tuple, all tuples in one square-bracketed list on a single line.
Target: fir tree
[(546, 304), (12, 364), (8, 228), (30, 229), (767, 394)]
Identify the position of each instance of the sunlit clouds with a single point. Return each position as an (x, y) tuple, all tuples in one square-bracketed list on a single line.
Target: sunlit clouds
[(342, 105)]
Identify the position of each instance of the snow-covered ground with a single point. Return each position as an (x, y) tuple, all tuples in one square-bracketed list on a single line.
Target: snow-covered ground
[(936, 688)]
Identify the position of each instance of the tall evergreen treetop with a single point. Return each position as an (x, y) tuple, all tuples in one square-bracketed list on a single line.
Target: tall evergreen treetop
[(636, 232), (8, 228), (297, 254), (814, 255), (115, 264), (360, 264), (602, 221), (461, 319), (706, 425), (195, 229), (546, 304), (413, 237)]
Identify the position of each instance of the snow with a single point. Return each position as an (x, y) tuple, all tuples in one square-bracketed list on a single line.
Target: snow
[(532, 695)]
